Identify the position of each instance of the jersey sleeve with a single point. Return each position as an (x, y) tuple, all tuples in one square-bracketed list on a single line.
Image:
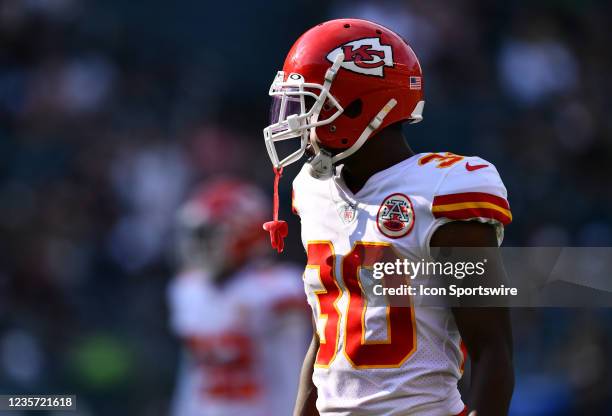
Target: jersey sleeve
[(472, 191), (285, 290), (184, 305)]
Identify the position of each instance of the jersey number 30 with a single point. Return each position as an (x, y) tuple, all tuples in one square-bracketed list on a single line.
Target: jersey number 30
[(400, 340)]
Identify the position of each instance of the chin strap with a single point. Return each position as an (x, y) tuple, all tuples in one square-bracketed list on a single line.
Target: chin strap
[(370, 128), (321, 165), (278, 229)]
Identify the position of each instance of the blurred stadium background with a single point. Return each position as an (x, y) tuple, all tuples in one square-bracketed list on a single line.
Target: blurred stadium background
[(110, 110)]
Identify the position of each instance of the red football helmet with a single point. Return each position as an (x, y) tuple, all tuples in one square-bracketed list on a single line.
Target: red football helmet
[(342, 81), (219, 226)]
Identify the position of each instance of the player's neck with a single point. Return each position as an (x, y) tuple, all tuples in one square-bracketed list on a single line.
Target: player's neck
[(388, 148)]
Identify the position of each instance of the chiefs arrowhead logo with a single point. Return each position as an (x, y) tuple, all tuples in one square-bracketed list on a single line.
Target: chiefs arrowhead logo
[(364, 56)]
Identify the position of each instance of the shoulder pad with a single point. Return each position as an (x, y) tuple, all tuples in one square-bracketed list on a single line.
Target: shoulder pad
[(472, 189)]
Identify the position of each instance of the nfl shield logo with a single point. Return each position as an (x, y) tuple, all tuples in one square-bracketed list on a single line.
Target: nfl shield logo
[(347, 212)]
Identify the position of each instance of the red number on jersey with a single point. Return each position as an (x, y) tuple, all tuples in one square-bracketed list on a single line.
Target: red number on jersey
[(400, 339), (228, 362), (444, 161), (321, 256)]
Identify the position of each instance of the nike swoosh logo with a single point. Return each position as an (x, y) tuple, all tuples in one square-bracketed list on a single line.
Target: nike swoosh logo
[(472, 168)]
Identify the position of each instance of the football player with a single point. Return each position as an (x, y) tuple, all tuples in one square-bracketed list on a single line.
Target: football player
[(346, 88), (241, 318)]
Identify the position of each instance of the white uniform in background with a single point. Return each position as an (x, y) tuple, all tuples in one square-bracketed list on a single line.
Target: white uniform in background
[(399, 360), (244, 341)]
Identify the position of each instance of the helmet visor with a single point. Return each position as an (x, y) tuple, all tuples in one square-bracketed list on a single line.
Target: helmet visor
[(288, 102)]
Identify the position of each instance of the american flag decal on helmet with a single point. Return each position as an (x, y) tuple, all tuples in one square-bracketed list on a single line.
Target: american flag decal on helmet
[(415, 83)]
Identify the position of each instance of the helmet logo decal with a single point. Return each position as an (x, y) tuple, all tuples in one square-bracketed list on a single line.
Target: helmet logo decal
[(364, 56), (395, 216)]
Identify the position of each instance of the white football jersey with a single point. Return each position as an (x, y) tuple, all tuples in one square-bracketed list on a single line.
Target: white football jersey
[(388, 361), (244, 341)]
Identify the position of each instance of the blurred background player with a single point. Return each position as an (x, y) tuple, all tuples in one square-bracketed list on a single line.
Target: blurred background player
[(242, 319)]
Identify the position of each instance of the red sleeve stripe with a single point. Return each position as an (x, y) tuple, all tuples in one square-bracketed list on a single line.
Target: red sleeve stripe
[(477, 212), (470, 197), (469, 205)]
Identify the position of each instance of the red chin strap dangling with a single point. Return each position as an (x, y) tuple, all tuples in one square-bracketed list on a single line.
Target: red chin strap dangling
[(278, 229)]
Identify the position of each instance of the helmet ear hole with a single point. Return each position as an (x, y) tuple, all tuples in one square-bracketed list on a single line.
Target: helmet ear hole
[(353, 110)]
